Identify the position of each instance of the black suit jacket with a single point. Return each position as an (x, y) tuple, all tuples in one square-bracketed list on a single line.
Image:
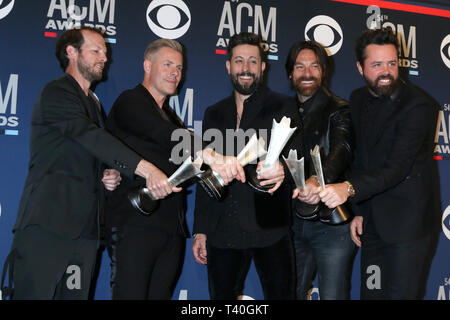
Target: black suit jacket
[(254, 212), (136, 119), (67, 147), (394, 167)]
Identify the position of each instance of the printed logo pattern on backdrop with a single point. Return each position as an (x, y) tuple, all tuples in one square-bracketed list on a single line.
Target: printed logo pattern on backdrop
[(64, 15), (4, 11), (445, 222), (245, 17), (445, 50), (168, 18), (205, 27), (9, 120), (326, 31)]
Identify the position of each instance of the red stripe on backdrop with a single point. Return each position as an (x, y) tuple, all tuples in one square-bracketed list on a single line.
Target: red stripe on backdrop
[(400, 7), (51, 34)]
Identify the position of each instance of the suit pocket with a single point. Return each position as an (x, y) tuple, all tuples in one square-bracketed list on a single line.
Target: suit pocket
[(61, 203)]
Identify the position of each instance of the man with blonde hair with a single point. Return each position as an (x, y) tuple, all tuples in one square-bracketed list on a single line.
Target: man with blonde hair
[(147, 251)]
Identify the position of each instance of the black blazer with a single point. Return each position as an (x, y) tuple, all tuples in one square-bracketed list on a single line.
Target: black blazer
[(136, 120), (394, 167), (67, 148), (259, 111)]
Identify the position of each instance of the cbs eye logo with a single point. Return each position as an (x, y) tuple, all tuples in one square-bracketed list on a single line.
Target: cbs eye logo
[(445, 50), (326, 31), (168, 18), (6, 9), (445, 222)]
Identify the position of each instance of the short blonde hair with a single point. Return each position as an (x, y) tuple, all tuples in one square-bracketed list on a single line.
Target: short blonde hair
[(154, 47)]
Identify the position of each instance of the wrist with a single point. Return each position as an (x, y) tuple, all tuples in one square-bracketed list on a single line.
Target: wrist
[(143, 169), (350, 189), (208, 155), (315, 179)]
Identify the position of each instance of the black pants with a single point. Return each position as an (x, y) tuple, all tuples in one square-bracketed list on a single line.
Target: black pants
[(48, 266), (227, 270), (392, 271), (145, 263)]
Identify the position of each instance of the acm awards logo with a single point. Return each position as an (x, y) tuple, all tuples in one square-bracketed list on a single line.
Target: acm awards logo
[(5, 9), (407, 49), (185, 110), (442, 136), (244, 17), (326, 31), (68, 14), (169, 19), (8, 106)]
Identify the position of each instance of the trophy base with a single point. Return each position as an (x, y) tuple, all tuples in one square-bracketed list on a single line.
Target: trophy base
[(253, 181), (141, 200), (336, 216), (212, 184), (306, 211)]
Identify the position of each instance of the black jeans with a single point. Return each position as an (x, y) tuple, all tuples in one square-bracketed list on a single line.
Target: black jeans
[(145, 263), (391, 271), (227, 270)]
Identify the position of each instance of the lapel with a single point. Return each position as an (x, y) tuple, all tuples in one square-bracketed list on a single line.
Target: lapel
[(98, 110), (86, 105), (166, 113)]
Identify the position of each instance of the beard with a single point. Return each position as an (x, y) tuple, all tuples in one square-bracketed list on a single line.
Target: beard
[(246, 89), (380, 90), (89, 72), (306, 91)]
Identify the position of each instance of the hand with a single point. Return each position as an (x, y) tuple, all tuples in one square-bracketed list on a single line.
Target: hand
[(334, 194), (356, 229), (272, 175), (227, 167), (156, 181), (111, 179), (199, 248), (311, 193)]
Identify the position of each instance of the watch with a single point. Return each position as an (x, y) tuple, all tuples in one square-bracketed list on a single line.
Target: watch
[(350, 190)]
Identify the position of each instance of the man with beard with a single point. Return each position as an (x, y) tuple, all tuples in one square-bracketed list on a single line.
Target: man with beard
[(391, 184), (320, 247), (248, 225), (56, 234)]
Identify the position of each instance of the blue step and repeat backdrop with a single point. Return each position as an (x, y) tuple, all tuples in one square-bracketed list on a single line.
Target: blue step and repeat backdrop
[(28, 33)]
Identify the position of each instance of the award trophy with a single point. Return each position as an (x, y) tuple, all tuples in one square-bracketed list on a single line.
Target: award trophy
[(335, 216), (143, 200), (296, 168), (281, 132), (213, 183)]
